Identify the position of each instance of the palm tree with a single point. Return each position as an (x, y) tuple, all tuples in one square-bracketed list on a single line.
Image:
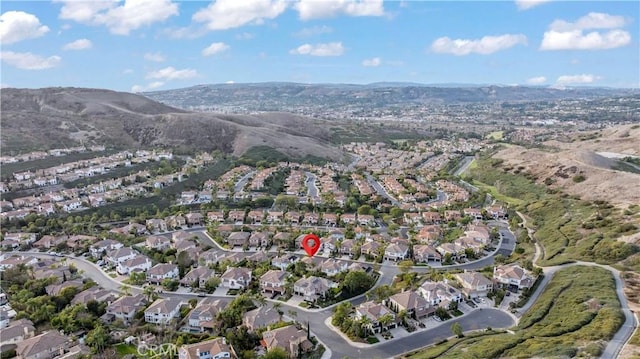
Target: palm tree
[(278, 307), (385, 320), (365, 323), (149, 292), (293, 314)]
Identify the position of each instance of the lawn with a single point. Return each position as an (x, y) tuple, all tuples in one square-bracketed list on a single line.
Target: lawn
[(496, 194), (578, 309), (124, 349)]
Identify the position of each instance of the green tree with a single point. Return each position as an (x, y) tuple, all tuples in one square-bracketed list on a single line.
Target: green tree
[(276, 353), (211, 284), (98, 338), (357, 282), (456, 329)]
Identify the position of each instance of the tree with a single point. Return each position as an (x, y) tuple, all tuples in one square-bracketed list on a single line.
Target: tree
[(98, 338), (453, 305), (170, 284), (442, 313), (125, 289), (149, 292), (382, 293), (357, 282), (385, 320), (211, 284), (276, 353), (456, 329), (405, 266)]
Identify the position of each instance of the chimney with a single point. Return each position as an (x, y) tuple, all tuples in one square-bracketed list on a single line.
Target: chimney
[(198, 352), (224, 340)]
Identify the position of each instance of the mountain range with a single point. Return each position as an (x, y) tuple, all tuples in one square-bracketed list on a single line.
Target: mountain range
[(40, 119), (286, 96)]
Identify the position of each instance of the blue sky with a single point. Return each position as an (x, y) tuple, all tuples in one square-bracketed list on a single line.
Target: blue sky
[(139, 45)]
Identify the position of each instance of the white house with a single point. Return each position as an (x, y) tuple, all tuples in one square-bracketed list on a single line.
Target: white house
[(162, 311)]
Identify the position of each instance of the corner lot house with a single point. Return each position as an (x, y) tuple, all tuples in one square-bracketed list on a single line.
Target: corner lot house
[(512, 276), (474, 284)]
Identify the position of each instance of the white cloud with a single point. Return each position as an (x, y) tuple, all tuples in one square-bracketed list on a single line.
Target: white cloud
[(170, 73), (315, 30), (215, 48), (577, 79), (120, 19), (537, 80), (593, 20), (80, 44), (228, 14), (29, 61), (484, 46), (328, 49), (230, 82), (528, 4), (127, 71), (374, 62), (18, 25), (155, 57), (245, 36), (564, 35), (577, 40), (315, 9), (148, 87)]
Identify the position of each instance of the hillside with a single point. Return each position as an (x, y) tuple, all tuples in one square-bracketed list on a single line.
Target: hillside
[(602, 178), (282, 96), (59, 117)]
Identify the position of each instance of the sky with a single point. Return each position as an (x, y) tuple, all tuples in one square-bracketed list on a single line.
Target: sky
[(145, 45)]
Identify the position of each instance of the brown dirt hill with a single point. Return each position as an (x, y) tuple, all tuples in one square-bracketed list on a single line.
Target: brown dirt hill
[(59, 117), (561, 162)]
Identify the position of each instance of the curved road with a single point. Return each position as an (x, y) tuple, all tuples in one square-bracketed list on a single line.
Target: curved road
[(615, 345)]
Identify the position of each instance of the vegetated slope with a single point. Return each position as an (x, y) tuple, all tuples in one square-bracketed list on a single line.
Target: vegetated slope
[(59, 117), (576, 167)]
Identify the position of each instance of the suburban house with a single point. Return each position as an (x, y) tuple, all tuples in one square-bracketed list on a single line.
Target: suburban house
[(215, 217), (284, 261), (474, 284), (512, 276), (396, 251), (333, 267), (293, 340), (374, 312), (273, 282), (194, 219), (423, 253), (199, 275), (239, 239), (236, 278), (121, 255), (17, 331), (125, 308), (259, 239), (431, 218), (261, 317), (163, 310), (156, 225), (94, 293), (313, 288), (236, 216), (209, 349), (346, 247), (439, 292), (162, 271), (410, 301), (203, 317), (159, 243), (139, 263), (47, 345), (104, 246), (370, 248)]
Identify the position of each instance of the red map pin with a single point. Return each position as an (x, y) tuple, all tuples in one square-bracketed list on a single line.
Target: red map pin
[(311, 244)]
